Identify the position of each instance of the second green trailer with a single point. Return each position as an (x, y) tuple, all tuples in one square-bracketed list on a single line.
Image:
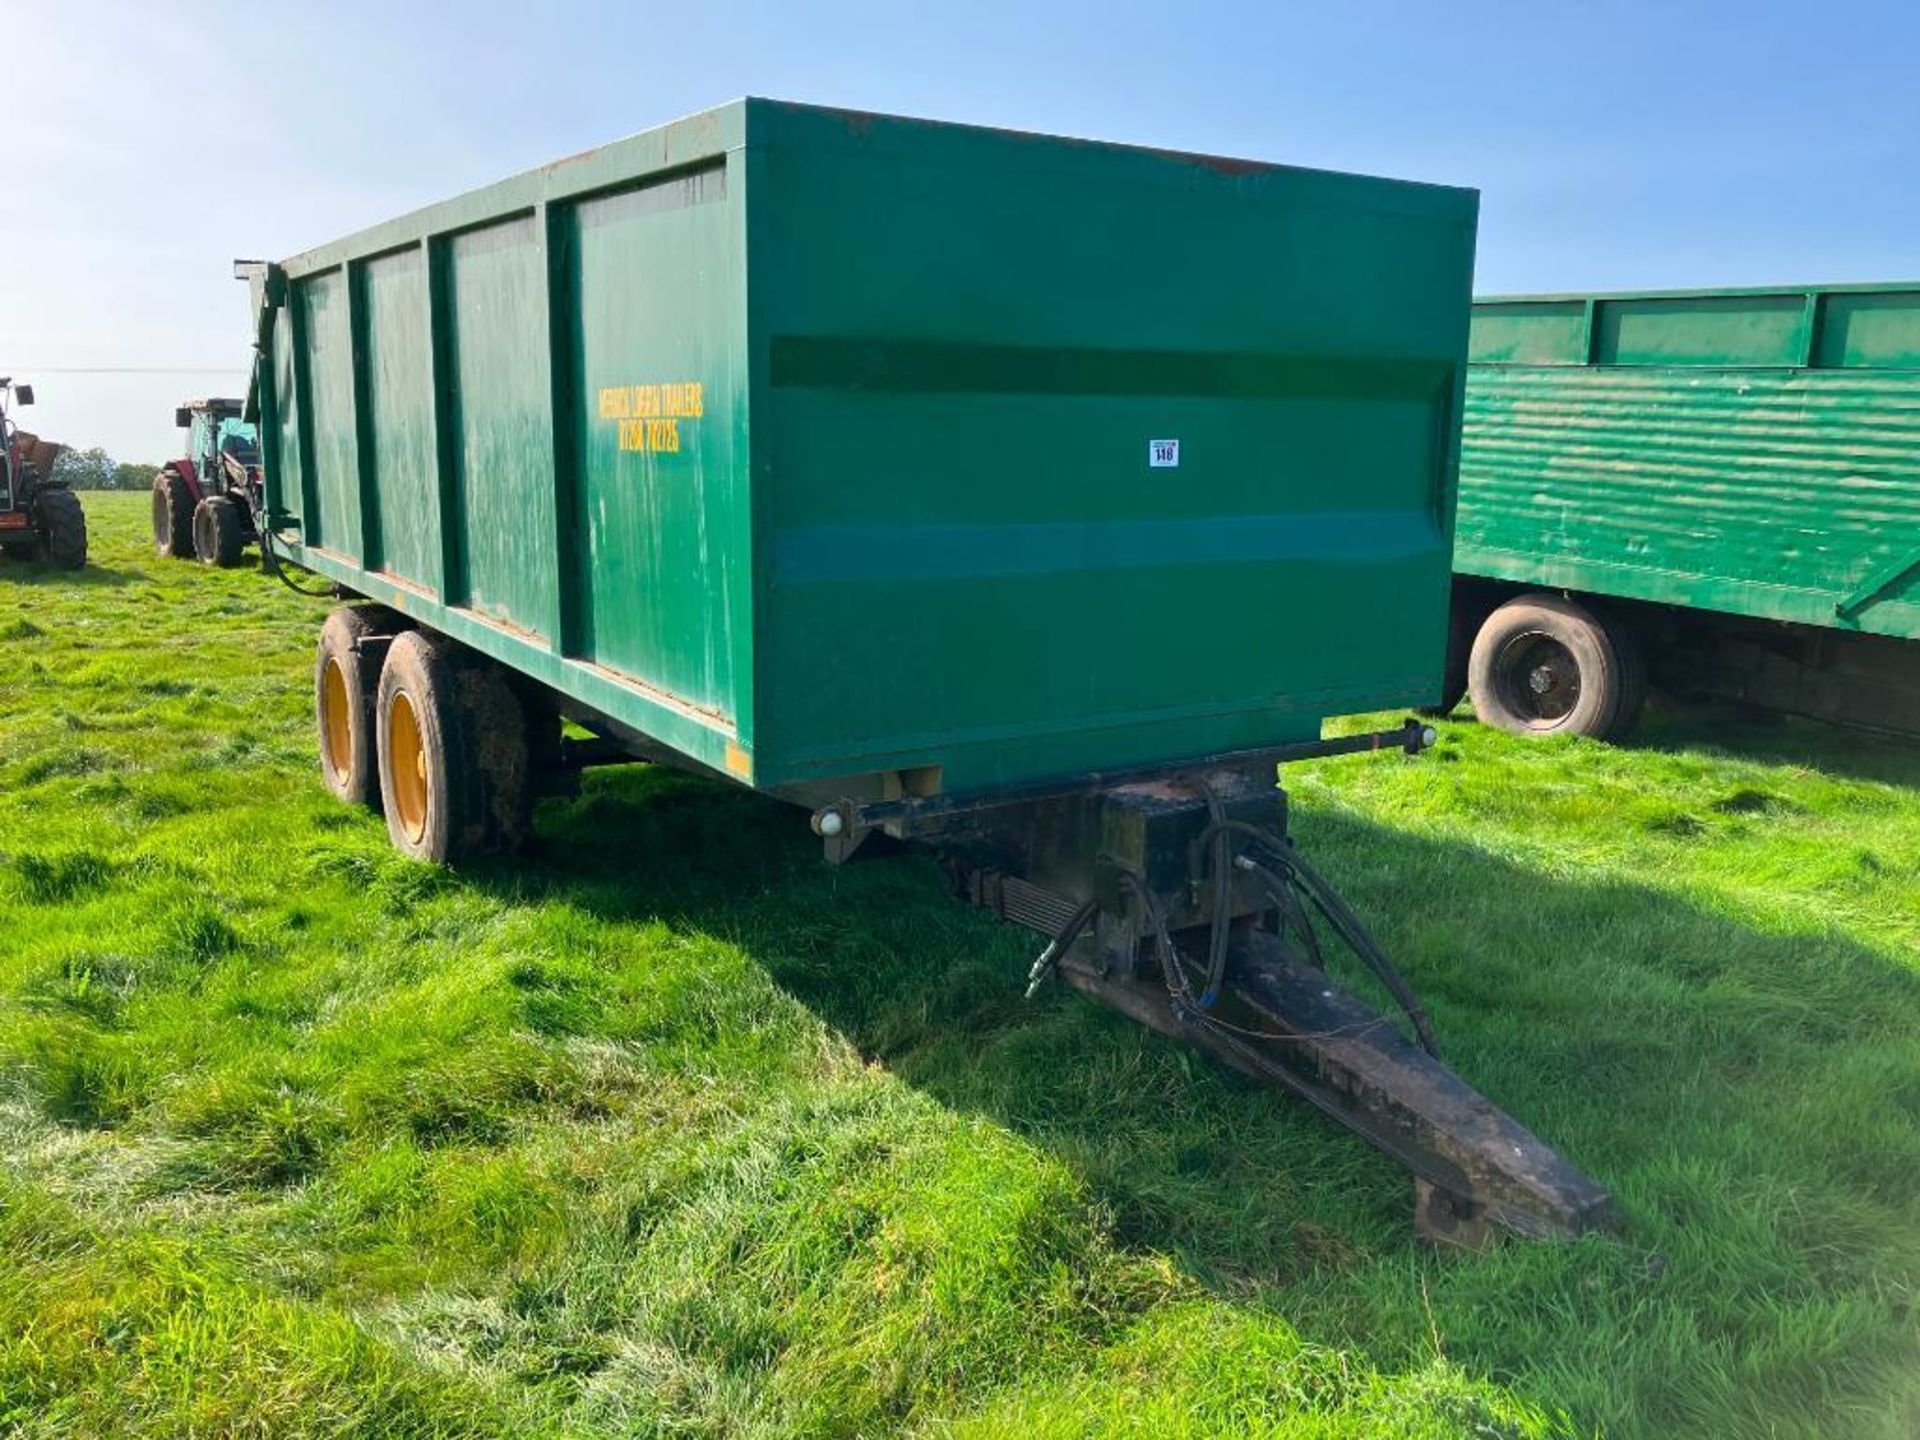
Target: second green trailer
[(1719, 490)]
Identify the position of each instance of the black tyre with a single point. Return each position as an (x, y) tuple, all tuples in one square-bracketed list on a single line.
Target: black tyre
[(346, 677), (455, 771), (1633, 673), (172, 516), (1544, 665), (62, 525), (218, 533)]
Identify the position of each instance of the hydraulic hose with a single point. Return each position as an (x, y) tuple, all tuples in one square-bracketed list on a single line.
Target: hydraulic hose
[(1058, 946), (1294, 878), (1339, 915), (270, 563)]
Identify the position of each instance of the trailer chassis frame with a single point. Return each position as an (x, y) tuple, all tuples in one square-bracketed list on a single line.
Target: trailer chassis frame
[(1134, 875)]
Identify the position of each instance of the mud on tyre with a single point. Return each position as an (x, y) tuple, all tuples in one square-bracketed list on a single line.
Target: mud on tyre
[(455, 760)]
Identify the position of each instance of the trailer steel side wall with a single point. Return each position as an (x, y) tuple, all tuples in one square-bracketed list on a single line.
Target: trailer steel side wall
[(821, 445), (1754, 453)]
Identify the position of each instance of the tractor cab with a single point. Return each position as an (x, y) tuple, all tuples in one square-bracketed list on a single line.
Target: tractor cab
[(216, 435)]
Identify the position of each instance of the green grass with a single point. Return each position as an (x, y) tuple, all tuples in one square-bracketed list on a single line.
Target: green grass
[(669, 1130)]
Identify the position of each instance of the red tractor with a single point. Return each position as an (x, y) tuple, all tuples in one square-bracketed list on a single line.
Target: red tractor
[(204, 503), (40, 518)]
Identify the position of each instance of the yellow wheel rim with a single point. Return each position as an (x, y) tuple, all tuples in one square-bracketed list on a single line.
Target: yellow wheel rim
[(407, 762), (336, 720)]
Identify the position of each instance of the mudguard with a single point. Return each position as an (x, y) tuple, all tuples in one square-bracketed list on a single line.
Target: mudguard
[(188, 472)]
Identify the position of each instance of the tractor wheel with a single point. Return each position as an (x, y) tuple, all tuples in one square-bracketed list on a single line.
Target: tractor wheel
[(455, 767), (172, 516), (63, 528), (1544, 665), (218, 534), (346, 676)]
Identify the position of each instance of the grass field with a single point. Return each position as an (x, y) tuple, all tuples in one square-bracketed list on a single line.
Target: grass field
[(667, 1129)]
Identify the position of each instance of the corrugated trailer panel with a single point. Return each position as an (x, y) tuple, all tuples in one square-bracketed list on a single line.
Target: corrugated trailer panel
[(1756, 453), (816, 444)]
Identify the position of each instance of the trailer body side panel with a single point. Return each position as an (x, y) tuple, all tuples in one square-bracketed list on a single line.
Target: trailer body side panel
[(827, 447), (1753, 453)]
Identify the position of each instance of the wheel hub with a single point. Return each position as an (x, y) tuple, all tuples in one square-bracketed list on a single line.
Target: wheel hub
[(336, 719), (407, 752), (1540, 679)]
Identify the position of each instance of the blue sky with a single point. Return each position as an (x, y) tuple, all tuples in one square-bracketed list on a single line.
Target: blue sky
[(1615, 145)]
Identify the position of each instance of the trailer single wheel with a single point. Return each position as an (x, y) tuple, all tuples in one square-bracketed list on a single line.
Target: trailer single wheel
[(172, 516), (218, 536), (1543, 665), (1633, 673), (63, 529), (455, 771), (346, 674)]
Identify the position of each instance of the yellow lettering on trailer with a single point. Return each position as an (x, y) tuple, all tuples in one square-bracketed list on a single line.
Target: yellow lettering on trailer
[(647, 418)]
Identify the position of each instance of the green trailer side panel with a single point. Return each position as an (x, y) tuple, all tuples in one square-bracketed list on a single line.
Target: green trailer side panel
[(1700, 473), (820, 446), (665, 501), (503, 425), (972, 340), (333, 451), (1549, 332), (1879, 331), (399, 400), (1701, 330)]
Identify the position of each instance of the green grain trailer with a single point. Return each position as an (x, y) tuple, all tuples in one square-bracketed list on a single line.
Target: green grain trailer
[(1719, 489), (1025, 498)]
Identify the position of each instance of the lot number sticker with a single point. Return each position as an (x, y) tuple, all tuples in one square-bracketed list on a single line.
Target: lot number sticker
[(1163, 454)]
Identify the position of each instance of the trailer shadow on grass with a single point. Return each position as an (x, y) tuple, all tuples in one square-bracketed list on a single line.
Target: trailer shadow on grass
[(1712, 728), (1753, 1099), (1718, 729)]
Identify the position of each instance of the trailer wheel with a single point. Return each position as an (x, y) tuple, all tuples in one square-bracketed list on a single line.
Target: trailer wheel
[(217, 535), (63, 528), (172, 516), (455, 772), (1543, 665), (346, 677), (1633, 674)]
